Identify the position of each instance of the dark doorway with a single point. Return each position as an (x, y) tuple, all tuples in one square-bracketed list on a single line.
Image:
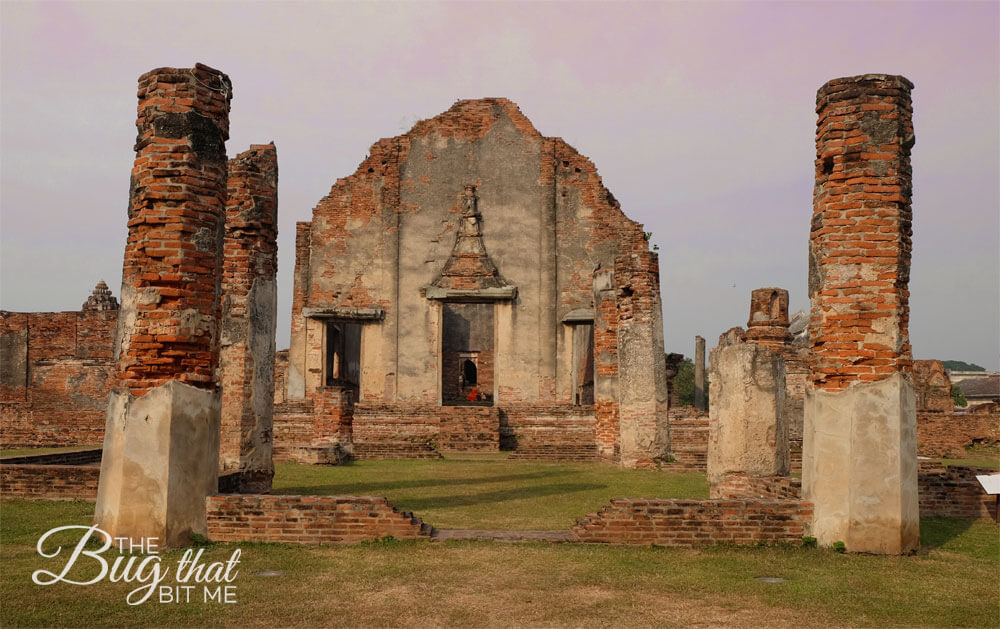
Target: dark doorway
[(467, 354)]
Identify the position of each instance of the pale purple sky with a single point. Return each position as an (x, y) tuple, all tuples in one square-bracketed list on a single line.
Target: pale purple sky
[(699, 116)]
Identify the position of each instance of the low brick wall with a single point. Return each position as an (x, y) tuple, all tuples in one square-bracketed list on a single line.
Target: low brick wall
[(948, 434), (696, 522), (308, 519), (564, 433), (738, 486), (954, 492), (49, 482), (689, 439), (412, 431)]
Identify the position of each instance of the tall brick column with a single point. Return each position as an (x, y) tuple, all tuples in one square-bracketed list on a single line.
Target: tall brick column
[(249, 311), (162, 435), (644, 425), (859, 461)]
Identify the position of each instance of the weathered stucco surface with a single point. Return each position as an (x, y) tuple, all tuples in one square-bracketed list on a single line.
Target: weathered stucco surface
[(748, 433), (160, 462), (859, 466), (384, 240)]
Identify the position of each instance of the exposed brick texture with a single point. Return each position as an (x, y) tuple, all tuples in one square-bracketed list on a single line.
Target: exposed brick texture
[(563, 433), (954, 492), (734, 486), (170, 281), (54, 385), (859, 255), (696, 522), (688, 438), (947, 434), (250, 261), (415, 431), (308, 519), (49, 482)]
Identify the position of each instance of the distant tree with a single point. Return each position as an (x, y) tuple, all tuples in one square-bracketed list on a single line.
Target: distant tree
[(684, 383), (958, 365), (958, 396)]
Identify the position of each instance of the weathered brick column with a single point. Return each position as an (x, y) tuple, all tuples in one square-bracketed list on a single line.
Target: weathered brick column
[(162, 435), (859, 461), (699, 373), (644, 425), (249, 311), (606, 364)]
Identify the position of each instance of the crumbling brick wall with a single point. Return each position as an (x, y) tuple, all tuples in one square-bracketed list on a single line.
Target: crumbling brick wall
[(948, 434), (309, 519), (55, 377), (697, 522)]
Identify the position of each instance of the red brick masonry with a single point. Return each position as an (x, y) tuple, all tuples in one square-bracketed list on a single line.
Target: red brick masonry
[(309, 519), (49, 482), (696, 522)]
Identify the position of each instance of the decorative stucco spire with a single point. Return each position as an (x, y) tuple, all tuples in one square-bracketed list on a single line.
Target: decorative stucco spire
[(469, 271)]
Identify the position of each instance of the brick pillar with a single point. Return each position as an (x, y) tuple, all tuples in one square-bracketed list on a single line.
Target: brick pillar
[(859, 462), (768, 323), (606, 364), (296, 374), (644, 426), (249, 311), (699, 373), (162, 434)]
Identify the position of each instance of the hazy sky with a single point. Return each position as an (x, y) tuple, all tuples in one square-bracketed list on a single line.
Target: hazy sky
[(699, 116)]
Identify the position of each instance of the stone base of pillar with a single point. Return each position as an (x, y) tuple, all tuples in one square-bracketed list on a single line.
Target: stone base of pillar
[(160, 462), (747, 431), (859, 466)]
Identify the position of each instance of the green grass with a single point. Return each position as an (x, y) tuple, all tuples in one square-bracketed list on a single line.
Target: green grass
[(987, 456), (33, 451), (477, 492), (953, 581)]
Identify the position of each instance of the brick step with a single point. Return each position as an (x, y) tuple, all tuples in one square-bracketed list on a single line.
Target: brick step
[(444, 535)]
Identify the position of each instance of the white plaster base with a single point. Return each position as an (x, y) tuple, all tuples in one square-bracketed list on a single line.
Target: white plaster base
[(859, 466), (160, 462)]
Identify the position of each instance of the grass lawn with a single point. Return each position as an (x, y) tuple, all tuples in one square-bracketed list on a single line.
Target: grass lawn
[(953, 581), (490, 492)]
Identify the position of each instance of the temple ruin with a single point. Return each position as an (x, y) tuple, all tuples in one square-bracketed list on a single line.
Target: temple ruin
[(474, 286)]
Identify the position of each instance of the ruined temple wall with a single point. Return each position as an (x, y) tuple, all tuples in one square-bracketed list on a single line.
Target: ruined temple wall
[(385, 232), (55, 377)]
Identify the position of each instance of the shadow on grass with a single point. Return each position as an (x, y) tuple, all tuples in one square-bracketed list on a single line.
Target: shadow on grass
[(349, 488), (936, 532)]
